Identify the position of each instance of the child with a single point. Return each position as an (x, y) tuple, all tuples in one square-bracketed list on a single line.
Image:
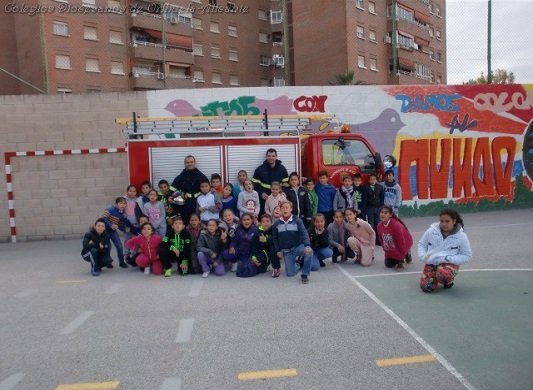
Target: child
[(276, 213), (374, 201), (216, 184), (208, 204), (146, 186), (443, 248), (239, 186), (299, 198), (326, 195), (290, 241), (360, 195), (313, 197), (176, 247), (155, 210), (363, 238), (395, 239), (392, 192), (147, 246), (248, 201), (240, 248), (133, 255), (275, 198), (194, 228), (228, 200), (345, 196), (116, 220), (96, 248), (263, 252), (319, 242), (338, 235), (132, 212), (210, 245), (165, 192)]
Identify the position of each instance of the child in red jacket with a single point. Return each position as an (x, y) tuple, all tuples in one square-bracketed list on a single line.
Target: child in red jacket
[(147, 246), (395, 239)]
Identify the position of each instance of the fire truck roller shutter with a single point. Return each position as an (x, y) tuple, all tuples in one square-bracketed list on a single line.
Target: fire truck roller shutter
[(167, 163), (249, 157)]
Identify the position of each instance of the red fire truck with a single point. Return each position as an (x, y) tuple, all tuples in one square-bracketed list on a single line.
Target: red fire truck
[(225, 145)]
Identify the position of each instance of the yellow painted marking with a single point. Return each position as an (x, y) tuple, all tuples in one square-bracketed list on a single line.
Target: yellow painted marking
[(71, 281), (406, 360), (267, 374), (90, 386)]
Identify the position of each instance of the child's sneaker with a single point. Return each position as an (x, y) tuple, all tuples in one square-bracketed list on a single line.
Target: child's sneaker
[(408, 258), (95, 272), (234, 267), (205, 274), (305, 279), (147, 271), (276, 273), (168, 272), (400, 267), (123, 265)]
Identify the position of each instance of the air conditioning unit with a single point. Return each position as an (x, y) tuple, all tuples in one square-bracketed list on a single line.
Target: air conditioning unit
[(160, 76), (278, 61), (134, 44), (387, 39), (136, 75), (173, 20)]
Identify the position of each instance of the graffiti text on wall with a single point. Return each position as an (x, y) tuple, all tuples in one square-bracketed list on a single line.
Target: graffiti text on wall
[(433, 102), (310, 104), (239, 106), (502, 102)]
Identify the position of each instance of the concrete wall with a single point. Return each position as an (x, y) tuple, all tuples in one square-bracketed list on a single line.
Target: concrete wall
[(59, 196)]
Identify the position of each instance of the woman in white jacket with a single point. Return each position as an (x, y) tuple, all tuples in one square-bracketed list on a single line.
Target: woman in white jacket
[(443, 248)]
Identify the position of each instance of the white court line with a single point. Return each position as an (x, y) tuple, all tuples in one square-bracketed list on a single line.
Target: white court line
[(171, 384), (25, 293), (114, 288), (11, 381), (196, 287), (77, 322), (419, 339), (185, 330), (461, 270)]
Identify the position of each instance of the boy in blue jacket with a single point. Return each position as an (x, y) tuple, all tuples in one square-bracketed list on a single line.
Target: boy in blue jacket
[(115, 219)]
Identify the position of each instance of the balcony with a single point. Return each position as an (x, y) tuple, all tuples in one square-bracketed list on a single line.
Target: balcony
[(146, 20), (154, 51), (156, 80)]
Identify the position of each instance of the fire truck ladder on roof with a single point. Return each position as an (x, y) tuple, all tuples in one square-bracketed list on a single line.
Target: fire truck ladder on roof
[(225, 125)]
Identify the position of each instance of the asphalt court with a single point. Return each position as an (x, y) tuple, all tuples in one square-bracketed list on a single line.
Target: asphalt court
[(351, 327)]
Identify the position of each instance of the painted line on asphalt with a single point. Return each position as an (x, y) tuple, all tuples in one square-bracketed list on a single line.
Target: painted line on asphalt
[(185, 330), (406, 360), (89, 386), (243, 376), (196, 287), (77, 322), (171, 384), (114, 288), (25, 293), (11, 381), (462, 270), (70, 281), (419, 339)]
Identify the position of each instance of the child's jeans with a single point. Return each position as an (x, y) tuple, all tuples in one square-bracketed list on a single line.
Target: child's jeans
[(115, 239), (289, 256)]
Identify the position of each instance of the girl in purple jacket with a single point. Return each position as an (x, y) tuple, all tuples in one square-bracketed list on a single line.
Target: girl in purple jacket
[(240, 249)]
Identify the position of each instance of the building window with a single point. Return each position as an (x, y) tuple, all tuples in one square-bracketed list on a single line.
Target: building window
[(373, 64), (233, 55), (198, 76), (372, 36), (90, 33), (216, 78), (198, 50), (360, 4), (92, 65), (361, 61), (372, 7), (437, 35), (197, 23), (64, 90), (232, 31), (232, 7), (117, 67), (431, 55), (263, 37), (215, 52), (60, 28), (214, 27), (278, 82), (63, 61), (213, 2), (276, 16), (264, 60), (262, 15), (431, 32), (430, 8), (114, 6), (89, 3), (439, 56), (360, 32), (234, 80), (437, 12), (116, 37)]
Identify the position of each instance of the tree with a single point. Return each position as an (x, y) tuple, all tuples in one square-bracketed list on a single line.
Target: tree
[(346, 79), (499, 76)]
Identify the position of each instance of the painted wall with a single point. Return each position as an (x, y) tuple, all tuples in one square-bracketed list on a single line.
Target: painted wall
[(468, 145)]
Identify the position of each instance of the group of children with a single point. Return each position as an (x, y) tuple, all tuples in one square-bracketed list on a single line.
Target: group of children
[(303, 226)]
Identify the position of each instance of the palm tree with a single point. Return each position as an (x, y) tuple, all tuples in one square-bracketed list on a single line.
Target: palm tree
[(346, 79)]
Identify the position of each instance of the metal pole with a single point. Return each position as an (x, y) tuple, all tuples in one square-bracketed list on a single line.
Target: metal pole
[(489, 33)]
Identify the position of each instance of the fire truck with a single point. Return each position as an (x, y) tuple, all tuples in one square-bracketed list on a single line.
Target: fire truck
[(225, 145)]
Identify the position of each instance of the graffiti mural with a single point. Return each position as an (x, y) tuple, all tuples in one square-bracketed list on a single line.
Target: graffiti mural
[(470, 146)]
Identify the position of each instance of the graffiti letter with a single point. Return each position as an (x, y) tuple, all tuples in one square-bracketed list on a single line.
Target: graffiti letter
[(409, 149), (439, 172), (482, 172), (462, 178), (461, 126), (310, 104), (503, 173), (406, 102), (211, 109)]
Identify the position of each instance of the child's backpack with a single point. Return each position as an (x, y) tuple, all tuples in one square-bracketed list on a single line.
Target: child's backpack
[(246, 269)]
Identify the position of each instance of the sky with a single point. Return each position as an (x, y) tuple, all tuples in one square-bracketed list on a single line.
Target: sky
[(512, 39)]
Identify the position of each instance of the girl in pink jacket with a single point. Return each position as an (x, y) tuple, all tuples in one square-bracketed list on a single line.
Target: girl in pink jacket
[(362, 238), (147, 245), (395, 239)]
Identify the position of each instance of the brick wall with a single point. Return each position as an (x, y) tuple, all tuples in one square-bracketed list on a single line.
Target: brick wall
[(61, 196)]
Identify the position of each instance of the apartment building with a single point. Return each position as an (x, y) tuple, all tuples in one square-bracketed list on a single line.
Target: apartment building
[(77, 46)]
